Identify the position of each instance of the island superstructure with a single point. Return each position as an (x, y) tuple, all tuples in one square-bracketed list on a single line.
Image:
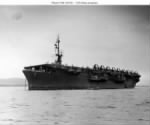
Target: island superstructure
[(56, 75)]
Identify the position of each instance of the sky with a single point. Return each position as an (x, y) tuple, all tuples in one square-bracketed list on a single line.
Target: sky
[(115, 36)]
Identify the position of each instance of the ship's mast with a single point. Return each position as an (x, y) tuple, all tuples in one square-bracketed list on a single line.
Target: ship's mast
[(58, 53)]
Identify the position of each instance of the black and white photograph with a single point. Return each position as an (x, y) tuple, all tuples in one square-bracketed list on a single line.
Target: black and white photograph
[(74, 65)]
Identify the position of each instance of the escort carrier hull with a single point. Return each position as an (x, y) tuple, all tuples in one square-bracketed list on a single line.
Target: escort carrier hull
[(58, 76)]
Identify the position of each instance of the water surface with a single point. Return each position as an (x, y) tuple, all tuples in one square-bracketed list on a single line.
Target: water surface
[(18, 106)]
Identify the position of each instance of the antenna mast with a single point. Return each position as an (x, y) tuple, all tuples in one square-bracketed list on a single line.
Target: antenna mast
[(58, 53)]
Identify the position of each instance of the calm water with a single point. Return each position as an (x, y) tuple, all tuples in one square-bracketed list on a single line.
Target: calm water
[(19, 106)]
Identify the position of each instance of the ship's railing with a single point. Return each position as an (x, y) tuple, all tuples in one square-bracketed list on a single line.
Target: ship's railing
[(96, 69)]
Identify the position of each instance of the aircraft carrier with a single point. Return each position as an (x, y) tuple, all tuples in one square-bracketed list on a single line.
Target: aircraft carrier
[(56, 75)]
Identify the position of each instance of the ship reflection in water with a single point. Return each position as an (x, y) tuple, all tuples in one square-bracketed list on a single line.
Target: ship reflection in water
[(59, 76), (74, 107)]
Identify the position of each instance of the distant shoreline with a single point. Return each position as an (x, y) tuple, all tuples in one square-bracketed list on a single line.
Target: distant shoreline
[(12, 82)]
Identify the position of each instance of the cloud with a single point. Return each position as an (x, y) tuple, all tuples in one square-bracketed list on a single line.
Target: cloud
[(17, 16), (14, 13)]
